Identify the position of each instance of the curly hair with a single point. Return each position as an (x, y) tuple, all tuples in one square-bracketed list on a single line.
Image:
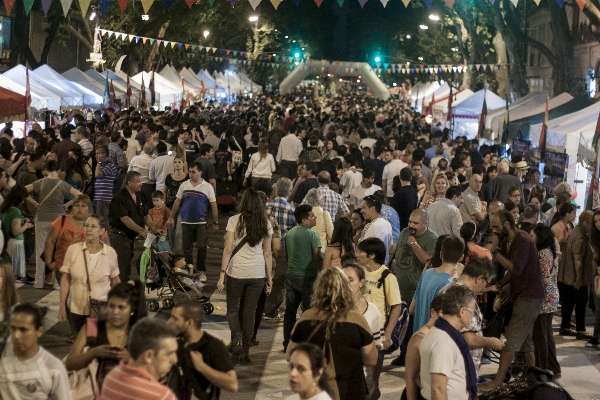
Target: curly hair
[(253, 218), (332, 297)]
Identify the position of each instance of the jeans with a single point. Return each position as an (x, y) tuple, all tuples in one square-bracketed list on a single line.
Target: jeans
[(258, 316), (298, 291), (573, 299), (544, 345), (124, 248), (249, 290), (288, 169), (41, 232), (197, 233), (101, 207), (275, 299)]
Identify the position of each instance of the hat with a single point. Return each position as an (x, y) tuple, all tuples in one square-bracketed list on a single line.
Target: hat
[(531, 210), (521, 165), (80, 130)]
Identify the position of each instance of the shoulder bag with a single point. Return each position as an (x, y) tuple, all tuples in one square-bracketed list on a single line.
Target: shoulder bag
[(97, 307), (328, 365), (83, 382), (34, 209), (401, 325), (237, 248)]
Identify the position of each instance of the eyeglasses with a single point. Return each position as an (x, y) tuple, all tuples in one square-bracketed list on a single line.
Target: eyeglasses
[(488, 283), (469, 310)]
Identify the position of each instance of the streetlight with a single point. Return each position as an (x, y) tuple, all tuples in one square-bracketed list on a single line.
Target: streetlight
[(253, 18), (377, 59), (93, 15), (408, 36), (206, 33), (434, 17), (423, 26)]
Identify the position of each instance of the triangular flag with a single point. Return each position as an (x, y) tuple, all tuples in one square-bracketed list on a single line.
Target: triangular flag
[(46, 5), (581, 4), (146, 4), (168, 3), (151, 41), (104, 6), (297, 2), (428, 3), (450, 3), (158, 42), (173, 44), (66, 5), (319, 3), (131, 37), (8, 4), (186, 46), (190, 3), (232, 2), (144, 40), (384, 2), (166, 43), (179, 45), (254, 3), (28, 4), (362, 3), (537, 2), (122, 5), (405, 2), (560, 3), (514, 2)]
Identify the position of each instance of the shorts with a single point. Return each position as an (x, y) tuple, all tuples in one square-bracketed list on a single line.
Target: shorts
[(520, 328)]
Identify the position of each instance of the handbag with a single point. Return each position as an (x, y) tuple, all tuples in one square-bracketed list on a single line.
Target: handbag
[(97, 307), (83, 383), (43, 255), (401, 324), (249, 179), (328, 365)]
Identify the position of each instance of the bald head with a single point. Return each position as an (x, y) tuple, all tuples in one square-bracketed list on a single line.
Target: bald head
[(149, 148), (419, 214), (324, 178), (397, 154), (503, 167), (494, 207)]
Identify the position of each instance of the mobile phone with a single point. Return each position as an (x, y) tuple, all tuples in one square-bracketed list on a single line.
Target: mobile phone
[(169, 152), (115, 348)]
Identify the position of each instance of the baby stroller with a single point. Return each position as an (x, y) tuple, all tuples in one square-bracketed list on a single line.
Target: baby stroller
[(162, 277)]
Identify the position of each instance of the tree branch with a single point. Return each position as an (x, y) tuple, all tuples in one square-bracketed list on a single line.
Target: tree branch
[(81, 38)]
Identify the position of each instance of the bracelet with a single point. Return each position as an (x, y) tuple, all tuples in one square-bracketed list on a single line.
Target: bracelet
[(223, 271)]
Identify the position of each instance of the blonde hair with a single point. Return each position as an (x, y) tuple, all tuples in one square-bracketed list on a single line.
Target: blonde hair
[(332, 297), (439, 176)]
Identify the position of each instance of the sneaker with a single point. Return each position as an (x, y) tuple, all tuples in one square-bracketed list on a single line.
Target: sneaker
[(202, 276), (27, 280), (593, 342), (275, 317), (244, 360), (583, 336), (254, 342), (399, 361), (567, 332)]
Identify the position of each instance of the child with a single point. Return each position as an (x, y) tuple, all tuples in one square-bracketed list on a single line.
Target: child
[(159, 214), (180, 266)]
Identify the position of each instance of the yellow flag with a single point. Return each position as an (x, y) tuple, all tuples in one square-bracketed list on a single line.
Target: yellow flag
[(84, 5), (146, 4), (276, 3)]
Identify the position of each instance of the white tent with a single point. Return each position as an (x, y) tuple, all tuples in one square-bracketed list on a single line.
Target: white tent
[(81, 78), (89, 98), (254, 87), (440, 94), (472, 105), (171, 75), (166, 93), (496, 124), (41, 98), (68, 98), (456, 97), (230, 82), (191, 77), (422, 92)]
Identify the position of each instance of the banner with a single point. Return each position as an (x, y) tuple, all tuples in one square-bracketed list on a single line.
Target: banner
[(522, 148), (554, 170)]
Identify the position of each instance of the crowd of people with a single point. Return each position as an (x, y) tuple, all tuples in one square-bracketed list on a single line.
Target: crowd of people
[(355, 212)]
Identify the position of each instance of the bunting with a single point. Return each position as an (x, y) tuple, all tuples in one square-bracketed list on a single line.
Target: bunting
[(46, 6), (83, 5), (28, 4), (275, 3), (146, 4), (593, 200), (66, 6), (254, 3), (8, 5)]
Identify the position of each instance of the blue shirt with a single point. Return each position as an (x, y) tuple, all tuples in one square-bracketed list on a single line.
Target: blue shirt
[(430, 283), (391, 216), (195, 201), (430, 153)]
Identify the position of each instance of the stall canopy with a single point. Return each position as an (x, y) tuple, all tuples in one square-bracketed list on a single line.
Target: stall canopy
[(191, 77), (56, 97), (520, 127), (12, 106), (38, 102), (78, 76), (171, 75), (89, 98), (421, 92), (166, 93), (442, 106), (440, 94), (495, 118), (471, 106)]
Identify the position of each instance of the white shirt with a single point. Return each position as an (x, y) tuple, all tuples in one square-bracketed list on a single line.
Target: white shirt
[(381, 229), (261, 168), (159, 169), (349, 181), (359, 193), (390, 171), (290, 148), (133, 148), (141, 164), (444, 217)]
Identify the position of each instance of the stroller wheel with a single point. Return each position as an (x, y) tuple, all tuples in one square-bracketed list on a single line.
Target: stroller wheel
[(152, 305), (168, 303), (208, 308)]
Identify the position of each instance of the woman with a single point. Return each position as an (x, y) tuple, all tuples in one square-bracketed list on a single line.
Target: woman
[(223, 162), (73, 178), (438, 191), (412, 391), (172, 183), (4, 178), (538, 199), (490, 173), (8, 298), (306, 376), (341, 243), (51, 192), (465, 161), (562, 223), (126, 306), (90, 258), (324, 226), (333, 323), (248, 271), (543, 337), (469, 233), (13, 226), (442, 168), (358, 223), (261, 165), (513, 208), (330, 153)]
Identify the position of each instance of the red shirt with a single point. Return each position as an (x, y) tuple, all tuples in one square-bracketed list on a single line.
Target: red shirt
[(128, 383)]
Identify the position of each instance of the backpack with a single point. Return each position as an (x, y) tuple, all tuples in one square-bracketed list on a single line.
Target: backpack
[(401, 324)]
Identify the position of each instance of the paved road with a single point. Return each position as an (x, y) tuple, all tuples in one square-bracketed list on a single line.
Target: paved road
[(266, 378)]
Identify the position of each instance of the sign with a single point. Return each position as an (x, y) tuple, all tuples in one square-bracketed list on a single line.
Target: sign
[(522, 148), (554, 170)]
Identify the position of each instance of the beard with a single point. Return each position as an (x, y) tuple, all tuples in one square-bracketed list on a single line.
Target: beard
[(412, 231)]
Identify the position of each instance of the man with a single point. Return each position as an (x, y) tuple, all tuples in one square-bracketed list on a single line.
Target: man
[(377, 227), (406, 199), (283, 212), (575, 275), (309, 182), (517, 253), (473, 209), (195, 196), (63, 147), (332, 201), (141, 164), (133, 146), (27, 370), (191, 147), (377, 164), (474, 153), (322, 165), (417, 170), (435, 279), (82, 141), (533, 178), (390, 171), (444, 215), (161, 166), (128, 218), (31, 171), (504, 181), (391, 216), (304, 261), (152, 346), (418, 156), (202, 358), (289, 149), (416, 245), (447, 370), (562, 192), (115, 153), (106, 173), (208, 169), (430, 152), (30, 146), (478, 275), (366, 188)]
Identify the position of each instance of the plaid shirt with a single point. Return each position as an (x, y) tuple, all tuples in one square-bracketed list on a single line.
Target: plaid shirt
[(476, 326), (334, 202), (283, 212), (116, 154)]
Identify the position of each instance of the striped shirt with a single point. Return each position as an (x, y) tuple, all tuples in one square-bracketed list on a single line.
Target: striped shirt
[(129, 383), (116, 154), (103, 185), (283, 212)]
